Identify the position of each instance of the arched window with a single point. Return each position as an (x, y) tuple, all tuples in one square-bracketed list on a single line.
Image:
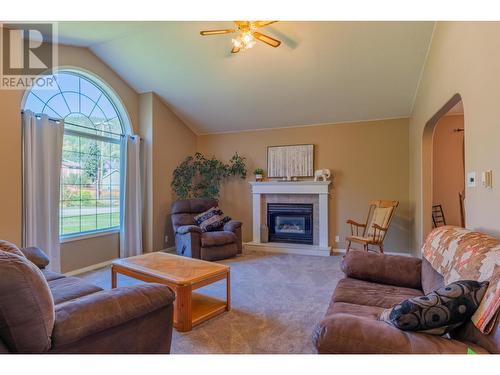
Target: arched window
[(94, 121)]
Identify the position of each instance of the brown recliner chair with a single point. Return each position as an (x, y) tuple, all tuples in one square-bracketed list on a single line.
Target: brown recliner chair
[(192, 242), (45, 312)]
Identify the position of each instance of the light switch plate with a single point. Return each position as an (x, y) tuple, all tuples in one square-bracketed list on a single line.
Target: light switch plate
[(471, 179), (487, 179)]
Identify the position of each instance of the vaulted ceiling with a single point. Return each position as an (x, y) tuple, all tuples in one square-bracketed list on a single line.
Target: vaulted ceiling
[(324, 72)]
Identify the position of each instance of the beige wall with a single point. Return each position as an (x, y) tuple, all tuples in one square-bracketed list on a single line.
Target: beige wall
[(464, 58), (369, 160), (75, 254), (448, 178), (168, 141), (83, 253)]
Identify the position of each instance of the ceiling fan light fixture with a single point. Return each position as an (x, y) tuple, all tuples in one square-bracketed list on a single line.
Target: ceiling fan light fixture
[(247, 38), (237, 43), (248, 35)]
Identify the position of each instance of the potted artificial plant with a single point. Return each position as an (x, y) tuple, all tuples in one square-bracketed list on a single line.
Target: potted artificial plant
[(259, 174)]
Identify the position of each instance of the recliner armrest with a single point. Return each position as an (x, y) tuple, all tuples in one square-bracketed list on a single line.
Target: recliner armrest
[(36, 256), (385, 269), (232, 225), (93, 313), (188, 229)]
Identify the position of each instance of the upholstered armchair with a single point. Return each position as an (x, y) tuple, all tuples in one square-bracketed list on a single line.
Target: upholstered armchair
[(192, 242)]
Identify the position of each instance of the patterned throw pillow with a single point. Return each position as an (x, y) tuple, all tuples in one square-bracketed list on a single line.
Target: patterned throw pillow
[(211, 220), (439, 311)]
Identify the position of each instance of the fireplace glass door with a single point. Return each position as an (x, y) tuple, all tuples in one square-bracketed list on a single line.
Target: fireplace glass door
[(288, 222)]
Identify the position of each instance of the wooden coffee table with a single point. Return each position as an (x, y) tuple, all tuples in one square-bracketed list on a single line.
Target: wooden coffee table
[(183, 275)]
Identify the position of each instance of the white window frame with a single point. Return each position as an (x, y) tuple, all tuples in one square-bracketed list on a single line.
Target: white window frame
[(126, 130)]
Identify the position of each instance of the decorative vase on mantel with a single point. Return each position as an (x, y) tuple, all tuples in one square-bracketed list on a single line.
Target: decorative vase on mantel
[(259, 174)]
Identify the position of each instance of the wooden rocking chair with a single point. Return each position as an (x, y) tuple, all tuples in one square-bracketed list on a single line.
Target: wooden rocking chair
[(374, 230)]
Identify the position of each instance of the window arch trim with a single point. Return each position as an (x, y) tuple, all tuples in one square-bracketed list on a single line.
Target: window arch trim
[(102, 84)]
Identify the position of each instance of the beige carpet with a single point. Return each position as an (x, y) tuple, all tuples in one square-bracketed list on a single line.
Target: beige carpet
[(276, 301)]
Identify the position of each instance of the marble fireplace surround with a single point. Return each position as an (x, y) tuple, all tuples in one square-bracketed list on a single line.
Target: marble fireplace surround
[(312, 192)]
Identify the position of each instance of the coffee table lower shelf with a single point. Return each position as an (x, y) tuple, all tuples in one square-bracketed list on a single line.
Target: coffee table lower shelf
[(205, 307), (190, 308)]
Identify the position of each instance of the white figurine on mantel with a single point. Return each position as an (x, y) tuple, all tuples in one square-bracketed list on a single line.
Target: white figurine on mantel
[(322, 174)]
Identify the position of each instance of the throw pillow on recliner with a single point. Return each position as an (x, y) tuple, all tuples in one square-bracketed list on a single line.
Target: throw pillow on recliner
[(211, 220), (440, 311)]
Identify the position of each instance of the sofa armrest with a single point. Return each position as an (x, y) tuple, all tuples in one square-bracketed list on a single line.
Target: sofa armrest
[(232, 225), (188, 229), (385, 269), (93, 313), (344, 333), (36, 256)]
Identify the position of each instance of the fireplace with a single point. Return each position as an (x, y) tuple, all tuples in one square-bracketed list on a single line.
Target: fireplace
[(290, 222)]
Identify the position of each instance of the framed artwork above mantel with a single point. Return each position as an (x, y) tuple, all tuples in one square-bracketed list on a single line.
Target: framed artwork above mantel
[(290, 161)]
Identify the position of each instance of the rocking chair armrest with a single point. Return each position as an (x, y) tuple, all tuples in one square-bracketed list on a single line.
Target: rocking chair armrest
[(352, 222), (378, 227), (379, 233)]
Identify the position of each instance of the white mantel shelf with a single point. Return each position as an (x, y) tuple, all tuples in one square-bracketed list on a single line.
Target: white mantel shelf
[(290, 187), (319, 188)]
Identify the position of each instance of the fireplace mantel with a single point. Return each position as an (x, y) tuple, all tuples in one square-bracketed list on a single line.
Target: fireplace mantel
[(318, 188), (290, 187)]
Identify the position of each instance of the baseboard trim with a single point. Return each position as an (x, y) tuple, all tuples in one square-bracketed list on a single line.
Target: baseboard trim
[(342, 251), (275, 247), (89, 268), (93, 267)]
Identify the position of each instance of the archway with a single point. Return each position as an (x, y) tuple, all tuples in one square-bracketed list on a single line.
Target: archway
[(430, 193)]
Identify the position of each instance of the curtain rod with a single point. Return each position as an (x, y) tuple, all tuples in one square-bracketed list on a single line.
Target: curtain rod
[(79, 126)]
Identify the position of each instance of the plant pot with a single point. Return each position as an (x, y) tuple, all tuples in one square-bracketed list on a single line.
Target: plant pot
[(258, 177)]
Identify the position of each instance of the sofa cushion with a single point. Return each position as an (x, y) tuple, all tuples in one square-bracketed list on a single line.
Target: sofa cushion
[(371, 294), (26, 306), (437, 312), (351, 328), (9, 247), (51, 275), (69, 288), (220, 238), (386, 269)]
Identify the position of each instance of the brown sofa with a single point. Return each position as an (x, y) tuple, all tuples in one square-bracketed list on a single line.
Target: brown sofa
[(45, 312), (192, 242), (374, 282)]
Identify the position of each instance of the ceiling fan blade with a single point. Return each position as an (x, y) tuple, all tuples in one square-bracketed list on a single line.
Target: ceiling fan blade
[(235, 50), (262, 23), (242, 24), (266, 39), (217, 32)]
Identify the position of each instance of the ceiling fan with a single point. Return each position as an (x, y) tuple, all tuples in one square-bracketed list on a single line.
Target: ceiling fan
[(248, 35)]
